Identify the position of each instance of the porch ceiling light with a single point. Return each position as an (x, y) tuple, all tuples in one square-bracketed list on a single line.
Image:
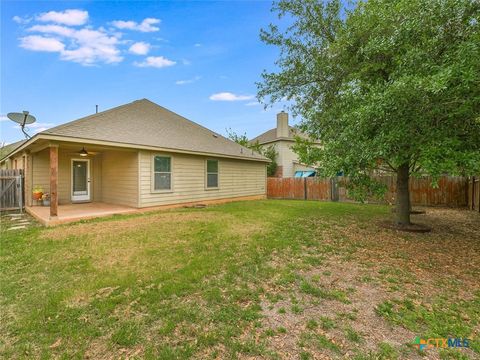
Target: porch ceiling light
[(83, 152)]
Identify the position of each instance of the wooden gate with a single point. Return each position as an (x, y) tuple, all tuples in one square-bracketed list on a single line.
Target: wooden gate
[(11, 189)]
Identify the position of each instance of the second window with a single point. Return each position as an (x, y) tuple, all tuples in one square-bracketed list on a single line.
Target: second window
[(212, 173), (162, 167)]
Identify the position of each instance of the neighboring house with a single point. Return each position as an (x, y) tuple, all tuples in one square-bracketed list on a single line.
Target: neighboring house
[(282, 138), (137, 155)]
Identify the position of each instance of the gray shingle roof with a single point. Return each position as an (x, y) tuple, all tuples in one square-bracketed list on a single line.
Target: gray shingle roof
[(271, 135), (143, 122), (7, 149)]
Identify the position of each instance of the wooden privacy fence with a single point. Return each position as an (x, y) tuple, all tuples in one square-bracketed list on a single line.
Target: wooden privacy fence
[(299, 188), (451, 191), (11, 189)]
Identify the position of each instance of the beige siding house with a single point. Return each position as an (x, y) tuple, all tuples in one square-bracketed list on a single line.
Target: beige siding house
[(282, 138), (138, 155)]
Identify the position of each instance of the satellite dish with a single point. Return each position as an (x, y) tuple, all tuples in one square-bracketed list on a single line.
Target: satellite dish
[(22, 119)]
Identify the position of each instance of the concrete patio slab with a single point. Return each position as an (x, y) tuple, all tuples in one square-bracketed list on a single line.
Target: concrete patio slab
[(75, 212)]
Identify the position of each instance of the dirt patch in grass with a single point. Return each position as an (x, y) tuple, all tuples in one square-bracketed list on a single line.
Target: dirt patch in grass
[(98, 349), (413, 227), (452, 249), (363, 267), (352, 310)]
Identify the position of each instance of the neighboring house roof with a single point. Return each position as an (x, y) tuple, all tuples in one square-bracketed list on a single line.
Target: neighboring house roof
[(271, 136), (145, 123), (7, 149)]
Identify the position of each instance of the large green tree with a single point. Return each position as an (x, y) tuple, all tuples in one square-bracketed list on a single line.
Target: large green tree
[(382, 84)]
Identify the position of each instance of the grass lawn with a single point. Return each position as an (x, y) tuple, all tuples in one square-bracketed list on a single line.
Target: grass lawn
[(264, 279)]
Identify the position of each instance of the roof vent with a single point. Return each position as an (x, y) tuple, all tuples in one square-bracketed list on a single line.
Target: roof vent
[(215, 136)]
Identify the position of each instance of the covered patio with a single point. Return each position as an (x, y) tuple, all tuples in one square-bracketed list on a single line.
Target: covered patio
[(75, 212), (81, 180)]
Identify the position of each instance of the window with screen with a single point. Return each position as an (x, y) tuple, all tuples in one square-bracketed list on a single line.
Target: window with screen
[(212, 173), (162, 173)]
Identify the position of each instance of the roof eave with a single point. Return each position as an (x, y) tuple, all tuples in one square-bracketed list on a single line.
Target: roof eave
[(22, 146), (54, 137), (276, 139), (284, 139)]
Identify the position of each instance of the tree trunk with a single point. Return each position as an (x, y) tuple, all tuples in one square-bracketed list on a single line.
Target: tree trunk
[(403, 195)]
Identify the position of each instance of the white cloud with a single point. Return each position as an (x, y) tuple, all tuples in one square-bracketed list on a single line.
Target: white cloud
[(197, 45), (3, 118), (38, 125), (147, 25), (186, 62), (252, 103), (189, 81), (140, 48), (40, 43), (41, 127), (21, 20), (67, 17), (53, 29), (228, 96), (155, 61), (85, 46), (93, 46)]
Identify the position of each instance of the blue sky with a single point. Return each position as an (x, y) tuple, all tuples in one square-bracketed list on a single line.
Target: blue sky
[(199, 59)]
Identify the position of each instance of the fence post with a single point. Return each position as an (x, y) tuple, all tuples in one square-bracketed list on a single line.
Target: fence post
[(467, 190), (18, 180), (334, 189), (304, 188)]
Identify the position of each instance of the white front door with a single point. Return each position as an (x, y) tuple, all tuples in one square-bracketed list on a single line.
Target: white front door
[(80, 180)]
